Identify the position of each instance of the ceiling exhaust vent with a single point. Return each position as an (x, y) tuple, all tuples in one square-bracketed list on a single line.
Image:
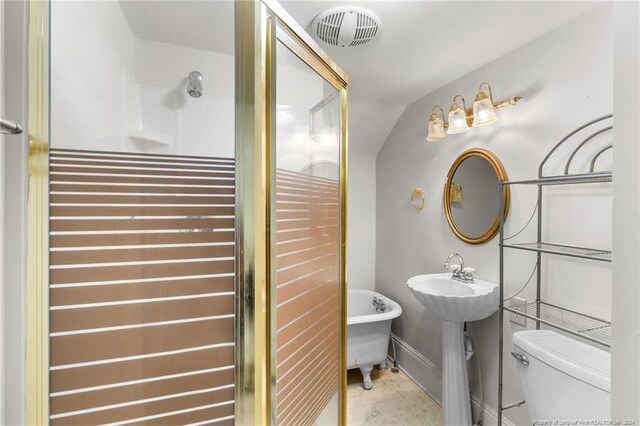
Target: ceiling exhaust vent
[(346, 26)]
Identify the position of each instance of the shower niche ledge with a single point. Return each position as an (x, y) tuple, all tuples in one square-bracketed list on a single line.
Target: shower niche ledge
[(153, 116), (149, 138)]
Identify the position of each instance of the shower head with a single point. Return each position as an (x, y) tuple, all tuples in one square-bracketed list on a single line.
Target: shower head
[(194, 87)]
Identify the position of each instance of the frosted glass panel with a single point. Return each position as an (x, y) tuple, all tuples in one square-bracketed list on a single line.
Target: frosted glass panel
[(308, 244)]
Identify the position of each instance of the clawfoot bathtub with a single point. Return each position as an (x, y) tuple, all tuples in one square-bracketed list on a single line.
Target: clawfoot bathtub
[(368, 329)]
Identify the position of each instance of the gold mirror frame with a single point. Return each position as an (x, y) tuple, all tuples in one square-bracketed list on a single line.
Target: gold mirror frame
[(498, 168)]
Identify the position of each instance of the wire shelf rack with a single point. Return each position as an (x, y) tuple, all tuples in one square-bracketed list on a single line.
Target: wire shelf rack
[(587, 327), (568, 179), (564, 250), (595, 136)]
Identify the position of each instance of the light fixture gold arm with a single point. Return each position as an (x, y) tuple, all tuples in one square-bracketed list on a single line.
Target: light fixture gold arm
[(512, 101), (464, 102), (433, 112), (467, 111), (490, 91)]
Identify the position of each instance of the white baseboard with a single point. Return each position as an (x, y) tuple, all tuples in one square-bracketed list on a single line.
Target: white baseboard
[(419, 369), (489, 414), (428, 377)]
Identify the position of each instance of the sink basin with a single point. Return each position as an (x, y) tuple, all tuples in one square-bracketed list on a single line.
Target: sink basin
[(453, 300), (455, 303)]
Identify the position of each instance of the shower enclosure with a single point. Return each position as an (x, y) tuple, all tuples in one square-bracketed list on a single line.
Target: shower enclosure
[(187, 216)]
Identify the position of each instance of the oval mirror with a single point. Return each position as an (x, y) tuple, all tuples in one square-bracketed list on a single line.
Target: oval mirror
[(472, 195)]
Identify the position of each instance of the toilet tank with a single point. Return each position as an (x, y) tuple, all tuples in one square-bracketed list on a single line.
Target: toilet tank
[(565, 379)]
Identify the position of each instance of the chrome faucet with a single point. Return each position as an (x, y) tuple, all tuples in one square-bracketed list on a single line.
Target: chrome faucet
[(458, 271), (379, 305)]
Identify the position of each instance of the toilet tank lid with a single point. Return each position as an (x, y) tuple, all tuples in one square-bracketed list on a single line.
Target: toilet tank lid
[(577, 359)]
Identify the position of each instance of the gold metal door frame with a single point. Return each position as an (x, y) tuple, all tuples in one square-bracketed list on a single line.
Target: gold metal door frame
[(253, 30), (259, 25), (37, 306)]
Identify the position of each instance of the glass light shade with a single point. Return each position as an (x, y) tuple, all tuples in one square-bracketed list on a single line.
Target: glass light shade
[(483, 112), (435, 130), (457, 121)]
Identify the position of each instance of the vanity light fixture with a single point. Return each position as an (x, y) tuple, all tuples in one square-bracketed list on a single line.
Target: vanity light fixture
[(458, 117), (481, 114), (435, 129)]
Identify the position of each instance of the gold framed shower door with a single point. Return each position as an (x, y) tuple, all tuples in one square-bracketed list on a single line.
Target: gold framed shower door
[(259, 25)]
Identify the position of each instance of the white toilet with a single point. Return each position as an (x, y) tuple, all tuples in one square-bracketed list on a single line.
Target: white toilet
[(562, 378)]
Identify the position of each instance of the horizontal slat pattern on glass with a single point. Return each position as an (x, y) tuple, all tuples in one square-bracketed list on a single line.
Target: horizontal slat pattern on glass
[(142, 288), (116, 240), (307, 296)]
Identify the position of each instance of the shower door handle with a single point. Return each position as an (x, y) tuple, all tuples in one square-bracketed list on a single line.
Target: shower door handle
[(9, 127)]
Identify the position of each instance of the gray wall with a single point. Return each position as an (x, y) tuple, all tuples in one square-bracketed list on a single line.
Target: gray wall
[(361, 221), (625, 352), (566, 78)]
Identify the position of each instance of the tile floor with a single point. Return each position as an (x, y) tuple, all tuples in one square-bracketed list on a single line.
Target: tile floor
[(394, 400)]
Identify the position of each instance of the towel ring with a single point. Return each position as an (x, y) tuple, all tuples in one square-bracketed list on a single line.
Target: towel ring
[(417, 199)]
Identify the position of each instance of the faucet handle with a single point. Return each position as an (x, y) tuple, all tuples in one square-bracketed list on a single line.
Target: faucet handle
[(453, 267), (468, 270)]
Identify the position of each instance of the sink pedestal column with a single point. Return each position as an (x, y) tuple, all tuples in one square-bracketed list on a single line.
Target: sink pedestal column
[(456, 405)]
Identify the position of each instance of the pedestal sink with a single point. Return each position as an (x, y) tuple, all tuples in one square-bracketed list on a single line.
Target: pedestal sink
[(455, 303)]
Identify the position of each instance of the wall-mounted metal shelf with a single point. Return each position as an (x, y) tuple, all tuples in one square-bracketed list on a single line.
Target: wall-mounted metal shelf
[(541, 312), (568, 179), (584, 326), (563, 250)]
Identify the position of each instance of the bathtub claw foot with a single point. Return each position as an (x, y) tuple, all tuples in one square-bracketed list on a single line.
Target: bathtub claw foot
[(366, 377), (382, 365)]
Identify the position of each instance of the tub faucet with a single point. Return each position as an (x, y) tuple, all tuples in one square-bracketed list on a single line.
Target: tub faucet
[(378, 303), (458, 271)]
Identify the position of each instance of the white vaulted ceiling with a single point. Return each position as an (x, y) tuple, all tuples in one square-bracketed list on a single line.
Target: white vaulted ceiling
[(426, 44), (423, 45)]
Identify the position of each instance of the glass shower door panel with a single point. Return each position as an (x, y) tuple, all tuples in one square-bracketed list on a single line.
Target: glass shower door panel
[(308, 244)]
